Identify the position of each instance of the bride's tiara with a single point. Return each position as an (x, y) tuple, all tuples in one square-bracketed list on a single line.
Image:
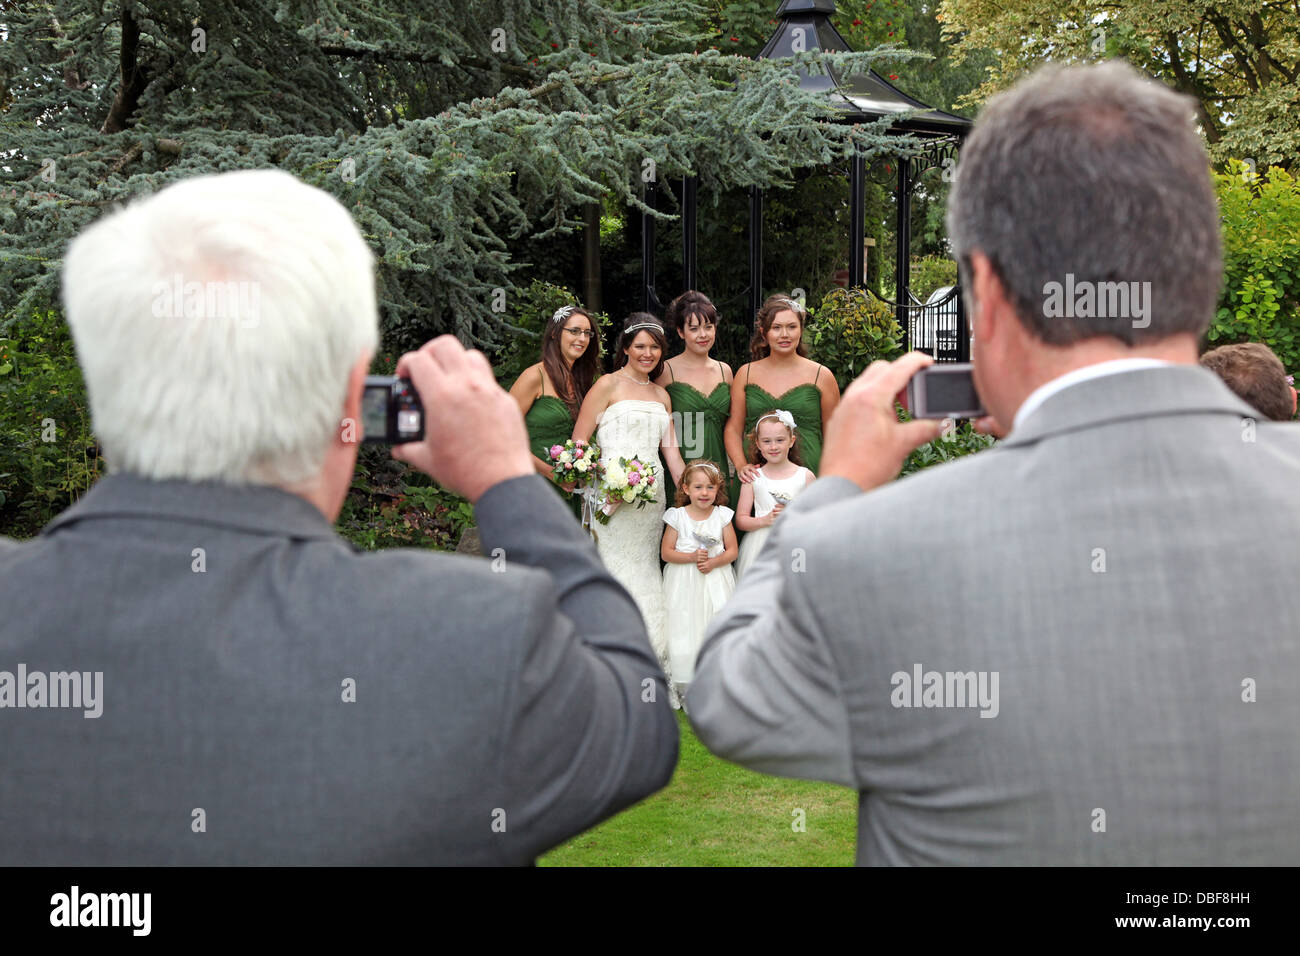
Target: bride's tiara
[(644, 325)]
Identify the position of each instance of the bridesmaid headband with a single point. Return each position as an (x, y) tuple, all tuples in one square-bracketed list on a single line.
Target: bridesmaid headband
[(781, 415), (562, 313), (644, 325), (707, 466)]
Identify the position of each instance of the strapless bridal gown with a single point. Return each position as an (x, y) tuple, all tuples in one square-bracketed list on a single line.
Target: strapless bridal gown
[(629, 544)]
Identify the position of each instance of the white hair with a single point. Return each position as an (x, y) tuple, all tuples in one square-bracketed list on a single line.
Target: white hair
[(216, 323)]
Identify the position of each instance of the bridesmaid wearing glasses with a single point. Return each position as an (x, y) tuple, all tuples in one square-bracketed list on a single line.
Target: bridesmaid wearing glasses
[(781, 376), (550, 393)]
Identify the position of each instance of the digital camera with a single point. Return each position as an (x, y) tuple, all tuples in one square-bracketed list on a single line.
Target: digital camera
[(391, 413), (944, 390)]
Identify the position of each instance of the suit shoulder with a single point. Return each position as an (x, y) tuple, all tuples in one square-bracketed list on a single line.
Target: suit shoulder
[(424, 565), (9, 547)]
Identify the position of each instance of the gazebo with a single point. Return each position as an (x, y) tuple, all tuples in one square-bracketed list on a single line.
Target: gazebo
[(804, 25)]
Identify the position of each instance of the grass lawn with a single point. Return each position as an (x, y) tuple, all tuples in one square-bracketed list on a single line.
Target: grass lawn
[(714, 813)]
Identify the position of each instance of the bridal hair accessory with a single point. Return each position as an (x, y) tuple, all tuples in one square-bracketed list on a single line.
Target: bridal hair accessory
[(644, 325), (562, 313), (792, 303), (782, 416), (708, 466)]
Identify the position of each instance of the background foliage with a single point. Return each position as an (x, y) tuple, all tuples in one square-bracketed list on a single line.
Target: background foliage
[(1261, 258), (48, 456), (1239, 59)]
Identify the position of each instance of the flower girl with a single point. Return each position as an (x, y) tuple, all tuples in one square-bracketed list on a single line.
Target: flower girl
[(780, 478), (699, 545)]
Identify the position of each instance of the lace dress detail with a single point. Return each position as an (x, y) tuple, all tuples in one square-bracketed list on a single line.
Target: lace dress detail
[(629, 544)]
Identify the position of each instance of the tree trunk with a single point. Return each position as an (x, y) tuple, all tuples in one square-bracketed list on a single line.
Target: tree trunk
[(591, 257)]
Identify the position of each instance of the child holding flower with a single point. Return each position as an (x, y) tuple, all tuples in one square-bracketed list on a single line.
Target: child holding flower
[(779, 479), (699, 546)]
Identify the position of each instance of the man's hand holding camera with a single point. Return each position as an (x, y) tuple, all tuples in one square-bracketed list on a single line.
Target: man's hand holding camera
[(865, 442), (474, 436)]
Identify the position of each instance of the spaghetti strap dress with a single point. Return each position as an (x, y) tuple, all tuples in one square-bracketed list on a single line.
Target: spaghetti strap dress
[(550, 422), (700, 421), (804, 402)]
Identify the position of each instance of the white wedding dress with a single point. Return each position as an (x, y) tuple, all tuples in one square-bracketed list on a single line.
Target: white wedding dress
[(629, 544)]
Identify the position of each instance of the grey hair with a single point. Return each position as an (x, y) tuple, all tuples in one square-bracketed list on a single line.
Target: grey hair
[(1095, 173)]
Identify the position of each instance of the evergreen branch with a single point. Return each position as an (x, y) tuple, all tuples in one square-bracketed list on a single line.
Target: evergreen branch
[(389, 52), (172, 147), (71, 75)]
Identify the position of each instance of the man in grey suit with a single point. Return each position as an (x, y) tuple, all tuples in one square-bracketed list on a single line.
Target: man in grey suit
[(196, 669), (1078, 647)]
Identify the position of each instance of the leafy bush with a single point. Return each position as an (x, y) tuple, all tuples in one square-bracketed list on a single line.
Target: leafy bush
[(1260, 301), (953, 444), (850, 330), (390, 505), (48, 455)]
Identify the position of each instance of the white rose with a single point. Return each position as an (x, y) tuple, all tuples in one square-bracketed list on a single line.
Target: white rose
[(615, 476), (630, 495), (566, 456), (581, 465)]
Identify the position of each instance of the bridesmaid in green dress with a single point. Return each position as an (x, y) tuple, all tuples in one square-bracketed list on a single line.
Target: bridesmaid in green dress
[(550, 393), (699, 386), (781, 376)]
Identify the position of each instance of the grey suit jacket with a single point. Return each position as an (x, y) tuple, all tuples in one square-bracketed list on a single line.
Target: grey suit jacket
[(282, 698), (1127, 563)]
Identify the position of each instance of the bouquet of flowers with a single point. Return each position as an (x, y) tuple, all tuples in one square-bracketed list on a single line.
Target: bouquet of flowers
[(575, 461), (782, 498), (626, 481)]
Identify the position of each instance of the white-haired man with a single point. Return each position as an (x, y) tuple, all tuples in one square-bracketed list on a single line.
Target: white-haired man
[(258, 691)]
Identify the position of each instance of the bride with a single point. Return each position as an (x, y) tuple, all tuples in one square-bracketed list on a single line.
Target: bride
[(632, 417)]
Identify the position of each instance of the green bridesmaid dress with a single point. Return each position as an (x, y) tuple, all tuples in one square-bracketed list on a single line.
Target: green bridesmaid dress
[(549, 423), (709, 415), (804, 402)]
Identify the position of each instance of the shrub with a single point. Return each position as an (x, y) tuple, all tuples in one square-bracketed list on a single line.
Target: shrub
[(850, 330), (957, 443), (390, 505), (48, 454), (1260, 301)]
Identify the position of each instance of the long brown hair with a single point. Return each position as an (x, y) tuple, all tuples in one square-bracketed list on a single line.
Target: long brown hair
[(625, 339), (758, 347), (571, 384)]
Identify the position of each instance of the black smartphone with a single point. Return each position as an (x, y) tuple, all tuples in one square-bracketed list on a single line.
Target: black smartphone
[(944, 390), (391, 413)]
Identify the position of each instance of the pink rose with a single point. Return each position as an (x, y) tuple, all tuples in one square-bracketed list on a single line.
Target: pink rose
[(633, 478), (556, 449), (650, 480)]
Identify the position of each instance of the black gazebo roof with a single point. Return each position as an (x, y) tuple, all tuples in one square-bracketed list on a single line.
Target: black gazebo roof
[(861, 97)]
